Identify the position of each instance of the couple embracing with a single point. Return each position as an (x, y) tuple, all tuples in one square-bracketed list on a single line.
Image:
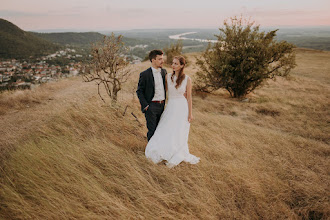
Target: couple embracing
[(168, 129)]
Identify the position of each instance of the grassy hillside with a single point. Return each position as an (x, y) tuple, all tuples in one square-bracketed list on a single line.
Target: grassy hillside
[(16, 43), (66, 155)]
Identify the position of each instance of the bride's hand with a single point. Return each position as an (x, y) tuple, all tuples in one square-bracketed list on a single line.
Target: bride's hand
[(190, 118)]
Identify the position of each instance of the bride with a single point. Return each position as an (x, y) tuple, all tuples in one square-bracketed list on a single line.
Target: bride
[(170, 140)]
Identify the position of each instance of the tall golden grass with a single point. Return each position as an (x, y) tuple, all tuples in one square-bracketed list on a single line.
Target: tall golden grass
[(266, 158)]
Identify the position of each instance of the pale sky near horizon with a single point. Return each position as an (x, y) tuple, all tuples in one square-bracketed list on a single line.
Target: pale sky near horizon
[(142, 14)]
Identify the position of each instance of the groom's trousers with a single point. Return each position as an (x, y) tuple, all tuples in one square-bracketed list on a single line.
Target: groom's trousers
[(152, 115)]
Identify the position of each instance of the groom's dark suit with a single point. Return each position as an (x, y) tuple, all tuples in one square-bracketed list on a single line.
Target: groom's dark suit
[(146, 92)]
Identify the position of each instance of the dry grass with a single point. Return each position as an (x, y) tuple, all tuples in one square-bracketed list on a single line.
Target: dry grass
[(262, 159), (18, 100)]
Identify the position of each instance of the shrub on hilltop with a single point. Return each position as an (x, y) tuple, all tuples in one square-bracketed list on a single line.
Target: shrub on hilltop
[(242, 59), (108, 67), (172, 51)]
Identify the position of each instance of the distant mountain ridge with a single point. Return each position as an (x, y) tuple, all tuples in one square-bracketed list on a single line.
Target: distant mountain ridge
[(17, 43), (82, 39), (85, 39)]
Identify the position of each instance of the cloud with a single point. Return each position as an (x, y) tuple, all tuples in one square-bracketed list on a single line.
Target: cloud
[(283, 12), (285, 17), (8, 13)]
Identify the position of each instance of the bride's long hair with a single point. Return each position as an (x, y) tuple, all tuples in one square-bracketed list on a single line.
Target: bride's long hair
[(181, 76)]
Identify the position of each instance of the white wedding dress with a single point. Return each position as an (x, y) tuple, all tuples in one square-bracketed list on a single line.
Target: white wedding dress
[(170, 140)]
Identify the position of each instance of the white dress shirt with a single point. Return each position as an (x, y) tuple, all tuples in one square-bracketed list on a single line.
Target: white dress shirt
[(159, 86)]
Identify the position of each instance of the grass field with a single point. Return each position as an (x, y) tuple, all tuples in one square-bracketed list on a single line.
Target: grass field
[(66, 155)]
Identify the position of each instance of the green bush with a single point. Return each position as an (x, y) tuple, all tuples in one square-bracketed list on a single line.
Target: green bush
[(172, 51), (242, 59)]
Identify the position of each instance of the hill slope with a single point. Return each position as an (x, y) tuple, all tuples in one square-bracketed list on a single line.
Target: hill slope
[(16, 43), (66, 155)]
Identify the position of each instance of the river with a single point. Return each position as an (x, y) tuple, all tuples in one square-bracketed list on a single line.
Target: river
[(181, 37)]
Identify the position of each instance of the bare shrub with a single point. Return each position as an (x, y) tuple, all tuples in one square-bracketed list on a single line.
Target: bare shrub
[(108, 66)]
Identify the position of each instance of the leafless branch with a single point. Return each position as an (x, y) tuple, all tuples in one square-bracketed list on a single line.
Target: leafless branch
[(140, 124), (108, 67)]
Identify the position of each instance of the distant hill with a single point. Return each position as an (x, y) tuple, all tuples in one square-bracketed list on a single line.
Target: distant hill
[(83, 39), (304, 37), (17, 43)]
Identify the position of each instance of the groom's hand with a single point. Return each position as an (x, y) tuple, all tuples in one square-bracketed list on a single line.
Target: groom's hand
[(146, 108)]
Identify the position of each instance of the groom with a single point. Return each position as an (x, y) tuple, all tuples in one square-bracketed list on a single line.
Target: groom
[(151, 91)]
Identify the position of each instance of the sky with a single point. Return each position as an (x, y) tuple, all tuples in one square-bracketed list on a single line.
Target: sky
[(104, 15)]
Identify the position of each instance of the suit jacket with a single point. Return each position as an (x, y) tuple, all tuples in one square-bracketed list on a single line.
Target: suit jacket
[(146, 87)]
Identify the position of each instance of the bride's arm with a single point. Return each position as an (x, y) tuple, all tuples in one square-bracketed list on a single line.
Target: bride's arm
[(189, 99)]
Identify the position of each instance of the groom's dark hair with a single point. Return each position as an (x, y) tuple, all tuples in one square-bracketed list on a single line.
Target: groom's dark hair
[(153, 54)]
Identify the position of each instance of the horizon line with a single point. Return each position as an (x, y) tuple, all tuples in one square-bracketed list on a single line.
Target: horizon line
[(168, 28)]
